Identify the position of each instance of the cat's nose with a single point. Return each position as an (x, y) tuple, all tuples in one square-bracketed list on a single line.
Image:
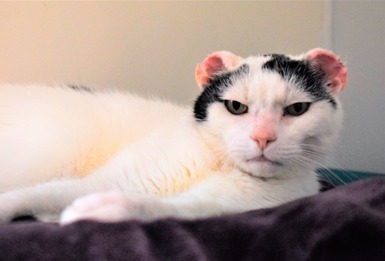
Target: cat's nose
[(263, 137), (263, 142), (264, 131)]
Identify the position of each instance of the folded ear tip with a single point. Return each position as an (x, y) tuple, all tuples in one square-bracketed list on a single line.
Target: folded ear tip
[(320, 51), (331, 65)]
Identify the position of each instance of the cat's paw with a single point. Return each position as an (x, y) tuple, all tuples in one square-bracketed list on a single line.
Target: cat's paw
[(8, 207), (110, 207)]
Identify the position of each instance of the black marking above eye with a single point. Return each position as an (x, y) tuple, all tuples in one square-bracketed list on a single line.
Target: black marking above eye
[(308, 78), (235, 107), (213, 91), (297, 109)]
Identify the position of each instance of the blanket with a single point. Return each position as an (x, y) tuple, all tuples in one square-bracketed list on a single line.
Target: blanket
[(345, 223)]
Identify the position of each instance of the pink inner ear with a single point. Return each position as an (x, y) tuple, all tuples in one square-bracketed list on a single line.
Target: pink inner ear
[(332, 66), (214, 64), (210, 66)]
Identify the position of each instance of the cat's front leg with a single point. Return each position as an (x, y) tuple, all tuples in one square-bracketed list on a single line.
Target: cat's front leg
[(9, 209), (23, 202), (216, 195), (44, 201), (113, 206)]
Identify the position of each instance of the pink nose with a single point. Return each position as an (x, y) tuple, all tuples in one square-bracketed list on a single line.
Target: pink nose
[(262, 143), (263, 137)]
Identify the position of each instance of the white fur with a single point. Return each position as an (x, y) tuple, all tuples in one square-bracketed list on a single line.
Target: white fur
[(58, 145)]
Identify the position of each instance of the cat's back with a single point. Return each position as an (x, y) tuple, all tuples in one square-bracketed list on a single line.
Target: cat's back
[(48, 131)]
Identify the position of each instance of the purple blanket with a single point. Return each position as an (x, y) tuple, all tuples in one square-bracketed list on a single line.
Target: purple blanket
[(346, 223)]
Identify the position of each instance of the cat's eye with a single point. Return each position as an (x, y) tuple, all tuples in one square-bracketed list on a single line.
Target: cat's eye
[(297, 109), (235, 107)]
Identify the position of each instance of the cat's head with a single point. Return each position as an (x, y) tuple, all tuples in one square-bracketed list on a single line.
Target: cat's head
[(268, 114)]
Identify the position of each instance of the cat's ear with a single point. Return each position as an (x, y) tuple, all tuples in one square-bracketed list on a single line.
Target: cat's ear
[(331, 65), (214, 64)]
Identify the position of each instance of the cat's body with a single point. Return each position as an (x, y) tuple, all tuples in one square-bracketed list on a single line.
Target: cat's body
[(253, 140), (65, 133)]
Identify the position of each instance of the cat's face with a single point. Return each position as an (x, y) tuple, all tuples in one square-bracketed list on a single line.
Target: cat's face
[(268, 114)]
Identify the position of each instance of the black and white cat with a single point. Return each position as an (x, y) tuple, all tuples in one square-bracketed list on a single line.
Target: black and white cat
[(254, 138)]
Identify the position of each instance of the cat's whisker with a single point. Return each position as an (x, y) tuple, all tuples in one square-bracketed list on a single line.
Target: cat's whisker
[(224, 161), (342, 173), (326, 171), (331, 175)]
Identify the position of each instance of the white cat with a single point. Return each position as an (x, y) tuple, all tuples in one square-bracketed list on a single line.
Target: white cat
[(257, 133)]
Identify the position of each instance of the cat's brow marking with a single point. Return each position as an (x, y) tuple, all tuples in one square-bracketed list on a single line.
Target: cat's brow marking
[(309, 79), (215, 88)]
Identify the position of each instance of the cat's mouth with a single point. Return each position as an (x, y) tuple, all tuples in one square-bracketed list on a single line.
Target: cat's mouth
[(263, 159), (261, 166)]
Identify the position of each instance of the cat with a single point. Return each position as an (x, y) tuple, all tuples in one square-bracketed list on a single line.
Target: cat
[(253, 139)]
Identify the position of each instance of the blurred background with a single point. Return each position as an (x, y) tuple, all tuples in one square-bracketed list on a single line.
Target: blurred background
[(152, 48)]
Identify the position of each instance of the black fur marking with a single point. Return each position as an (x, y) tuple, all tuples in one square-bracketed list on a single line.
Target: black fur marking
[(311, 79), (80, 88), (24, 218), (213, 90)]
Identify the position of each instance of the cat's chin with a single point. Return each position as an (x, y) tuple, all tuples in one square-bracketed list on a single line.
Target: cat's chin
[(261, 167)]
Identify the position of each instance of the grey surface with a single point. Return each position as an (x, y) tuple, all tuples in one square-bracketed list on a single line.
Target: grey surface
[(359, 37)]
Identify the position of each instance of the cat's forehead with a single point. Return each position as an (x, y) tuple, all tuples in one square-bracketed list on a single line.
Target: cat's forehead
[(263, 86)]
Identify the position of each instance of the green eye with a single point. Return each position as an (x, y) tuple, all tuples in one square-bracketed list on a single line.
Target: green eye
[(235, 107), (297, 109)]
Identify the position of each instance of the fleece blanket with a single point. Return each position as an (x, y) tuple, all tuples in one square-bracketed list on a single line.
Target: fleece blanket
[(345, 223)]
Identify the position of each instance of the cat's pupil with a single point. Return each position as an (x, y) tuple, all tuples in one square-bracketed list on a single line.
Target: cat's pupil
[(236, 105), (298, 107)]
